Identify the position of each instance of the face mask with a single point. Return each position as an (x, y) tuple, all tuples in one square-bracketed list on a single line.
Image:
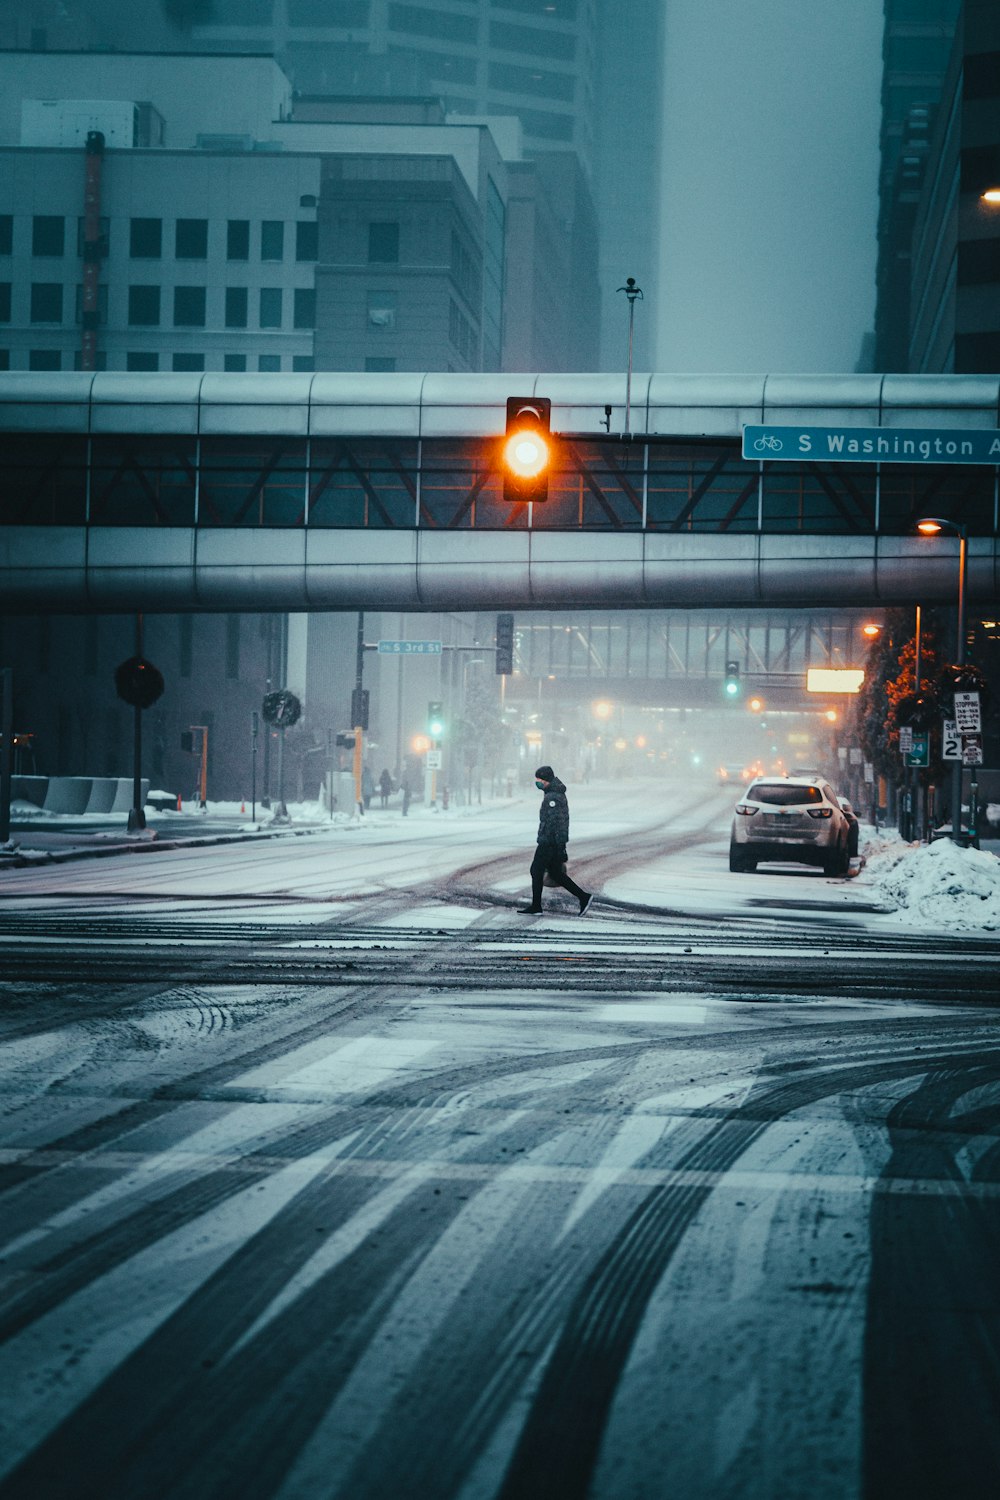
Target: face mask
[(540, 785)]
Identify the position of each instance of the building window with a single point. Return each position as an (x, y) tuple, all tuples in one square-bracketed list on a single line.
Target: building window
[(191, 239), (103, 231), (421, 22), (306, 240), (145, 239), (305, 308), (46, 302), (4, 359), (234, 363), (272, 240), (48, 234), (5, 288), (383, 244), (236, 307), (6, 234), (189, 361), (303, 364), (238, 239), (382, 310), (138, 359), (189, 307), (269, 364), (379, 364), (102, 305), (270, 307), (978, 262), (44, 359), (144, 306)]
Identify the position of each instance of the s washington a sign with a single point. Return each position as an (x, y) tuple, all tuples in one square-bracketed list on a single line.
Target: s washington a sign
[(866, 445)]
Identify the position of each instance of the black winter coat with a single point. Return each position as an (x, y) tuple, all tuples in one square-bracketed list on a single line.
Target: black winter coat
[(553, 817)]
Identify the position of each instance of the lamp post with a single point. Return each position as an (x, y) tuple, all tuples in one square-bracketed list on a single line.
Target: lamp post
[(930, 526)]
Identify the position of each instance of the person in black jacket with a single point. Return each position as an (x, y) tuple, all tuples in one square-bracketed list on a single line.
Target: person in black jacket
[(553, 835)]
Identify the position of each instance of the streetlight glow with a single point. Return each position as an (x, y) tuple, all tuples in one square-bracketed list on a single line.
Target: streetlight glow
[(928, 527), (871, 630), (991, 195)]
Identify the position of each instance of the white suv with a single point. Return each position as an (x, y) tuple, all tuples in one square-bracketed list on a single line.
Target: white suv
[(794, 818)]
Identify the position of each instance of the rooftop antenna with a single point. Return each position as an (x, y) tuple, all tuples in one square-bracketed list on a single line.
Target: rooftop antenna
[(632, 291)]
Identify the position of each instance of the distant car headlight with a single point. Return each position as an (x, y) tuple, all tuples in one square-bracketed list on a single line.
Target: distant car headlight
[(820, 812), (745, 810)]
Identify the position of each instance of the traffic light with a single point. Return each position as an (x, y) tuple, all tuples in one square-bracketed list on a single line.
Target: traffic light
[(359, 708), (527, 449), (505, 644), (435, 719), (344, 741), (731, 686)]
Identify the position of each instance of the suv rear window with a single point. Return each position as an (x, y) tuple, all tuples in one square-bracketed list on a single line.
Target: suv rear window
[(780, 794)]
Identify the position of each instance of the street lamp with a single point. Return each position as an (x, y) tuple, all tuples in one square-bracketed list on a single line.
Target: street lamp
[(930, 526)]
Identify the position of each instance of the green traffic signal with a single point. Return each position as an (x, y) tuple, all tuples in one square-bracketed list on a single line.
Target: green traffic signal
[(731, 685), (435, 720)]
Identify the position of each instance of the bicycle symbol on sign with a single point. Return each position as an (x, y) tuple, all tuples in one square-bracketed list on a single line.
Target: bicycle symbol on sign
[(765, 443)]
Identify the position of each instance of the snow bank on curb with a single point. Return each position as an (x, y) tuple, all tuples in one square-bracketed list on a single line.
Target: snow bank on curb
[(935, 885)]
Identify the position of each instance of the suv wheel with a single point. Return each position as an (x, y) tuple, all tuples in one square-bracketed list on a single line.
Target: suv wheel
[(838, 861), (739, 862)]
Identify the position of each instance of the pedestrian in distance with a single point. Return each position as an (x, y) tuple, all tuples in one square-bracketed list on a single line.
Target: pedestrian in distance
[(367, 787), (385, 787), (553, 835), (406, 794)]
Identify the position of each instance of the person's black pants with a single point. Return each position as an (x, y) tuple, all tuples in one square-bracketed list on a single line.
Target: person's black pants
[(549, 861)]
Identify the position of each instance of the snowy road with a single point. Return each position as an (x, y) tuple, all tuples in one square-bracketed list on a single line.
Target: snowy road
[(325, 1173)]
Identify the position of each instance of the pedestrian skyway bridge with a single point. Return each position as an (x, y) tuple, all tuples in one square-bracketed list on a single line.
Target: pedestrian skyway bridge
[(341, 491)]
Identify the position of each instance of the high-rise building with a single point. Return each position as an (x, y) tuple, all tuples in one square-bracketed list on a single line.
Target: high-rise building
[(916, 45), (955, 282)]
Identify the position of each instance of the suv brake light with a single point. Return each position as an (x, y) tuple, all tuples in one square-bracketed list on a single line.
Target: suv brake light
[(820, 812), (745, 810)]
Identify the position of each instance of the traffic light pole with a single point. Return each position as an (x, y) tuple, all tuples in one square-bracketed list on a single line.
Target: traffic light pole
[(136, 817), (6, 748), (359, 674)]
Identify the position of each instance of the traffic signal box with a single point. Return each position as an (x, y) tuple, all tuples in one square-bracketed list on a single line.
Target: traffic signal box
[(435, 719), (731, 686), (527, 450), (505, 644)]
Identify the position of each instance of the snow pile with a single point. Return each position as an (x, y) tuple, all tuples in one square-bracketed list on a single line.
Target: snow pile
[(936, 885)]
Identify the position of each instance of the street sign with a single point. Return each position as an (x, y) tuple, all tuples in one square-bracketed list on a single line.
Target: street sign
[(842, 753), (855, 756), (434, 760), (920, 755), (905, 739), (869, 445), (409, 648), (869, 771), (968, 716), (972, 750), (951, 740)]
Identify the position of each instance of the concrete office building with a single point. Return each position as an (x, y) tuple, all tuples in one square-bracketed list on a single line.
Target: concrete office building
[(225, 235), (570, 71)]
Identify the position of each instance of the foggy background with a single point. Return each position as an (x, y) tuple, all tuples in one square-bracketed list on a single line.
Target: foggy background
[(770, 182)]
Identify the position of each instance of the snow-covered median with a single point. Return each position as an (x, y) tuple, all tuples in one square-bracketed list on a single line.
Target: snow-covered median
[(936, 885)]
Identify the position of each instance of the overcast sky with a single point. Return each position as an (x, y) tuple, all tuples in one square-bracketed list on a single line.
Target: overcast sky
[(770, 162)]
